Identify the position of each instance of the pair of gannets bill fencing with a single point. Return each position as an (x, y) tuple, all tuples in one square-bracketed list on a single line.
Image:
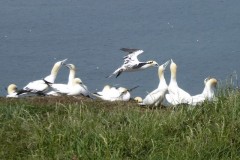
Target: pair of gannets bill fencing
[(165, 94)]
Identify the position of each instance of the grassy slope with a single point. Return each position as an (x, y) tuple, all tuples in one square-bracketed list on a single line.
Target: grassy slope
[(70, 128)]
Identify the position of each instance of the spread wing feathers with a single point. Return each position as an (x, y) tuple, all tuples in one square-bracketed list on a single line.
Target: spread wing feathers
[(129, 50), (132, 56)]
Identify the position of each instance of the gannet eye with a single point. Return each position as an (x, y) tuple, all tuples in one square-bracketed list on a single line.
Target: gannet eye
[(149, 62)]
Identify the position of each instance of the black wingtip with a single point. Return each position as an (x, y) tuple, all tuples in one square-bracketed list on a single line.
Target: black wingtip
[(129, 50), (21, 91), (133, 88), (118, 74)]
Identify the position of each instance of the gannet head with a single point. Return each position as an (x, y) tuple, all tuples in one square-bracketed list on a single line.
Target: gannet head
[(206, 79), (122, 90), (71, 66), (163, 66), (212, 82), (51, 78), (138, 99), (77, 81), (60, 63), (153, 63), (12, 88)]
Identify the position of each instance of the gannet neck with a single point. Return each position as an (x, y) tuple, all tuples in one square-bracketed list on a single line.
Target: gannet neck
[(160, 73), (173, 69), (72, 73), (51, 78), (12, 88)]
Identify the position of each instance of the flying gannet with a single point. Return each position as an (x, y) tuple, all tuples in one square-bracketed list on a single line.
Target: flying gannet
[(131, 62)]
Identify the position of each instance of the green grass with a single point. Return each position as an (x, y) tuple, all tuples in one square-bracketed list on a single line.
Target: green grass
[(70, 128)]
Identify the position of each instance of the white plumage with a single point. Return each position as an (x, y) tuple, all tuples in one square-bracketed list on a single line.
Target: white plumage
[(175, 95), (40, 87), (131, 62), (156, 96), (74, 86), (114, 94), (207, 94)]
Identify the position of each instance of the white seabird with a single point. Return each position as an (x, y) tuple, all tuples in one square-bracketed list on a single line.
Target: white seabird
[(131, 62), (74, 86), (57, 88), (40, 87), (156, 96), (114, 94), (175, 94), (208, 93), (75, 89)]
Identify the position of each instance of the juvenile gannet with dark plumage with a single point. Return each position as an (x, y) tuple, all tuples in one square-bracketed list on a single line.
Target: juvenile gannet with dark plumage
[(175, 94), (208, 93), (40, 87), (131, 62), (157, 95)]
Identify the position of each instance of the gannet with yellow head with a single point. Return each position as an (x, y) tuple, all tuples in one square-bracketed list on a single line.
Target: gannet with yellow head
[(131, 62), (156, 96), (12, 91), (57, 89), (41, 86), (208, 93), (175, 94)]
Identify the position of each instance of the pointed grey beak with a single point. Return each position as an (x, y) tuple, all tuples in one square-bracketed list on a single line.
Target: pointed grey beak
[(63, 61), (67, 65), (166, 64)]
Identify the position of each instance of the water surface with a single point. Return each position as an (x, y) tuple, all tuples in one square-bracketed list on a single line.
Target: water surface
[(201, 36)]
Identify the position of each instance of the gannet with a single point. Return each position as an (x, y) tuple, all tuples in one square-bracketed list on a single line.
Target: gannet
[(14, 93), (74, 86), (157, 95), (207, 94), (57, 88), (131, 62), (75, 89), (40, 87), (175, 94), (114, 94)]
